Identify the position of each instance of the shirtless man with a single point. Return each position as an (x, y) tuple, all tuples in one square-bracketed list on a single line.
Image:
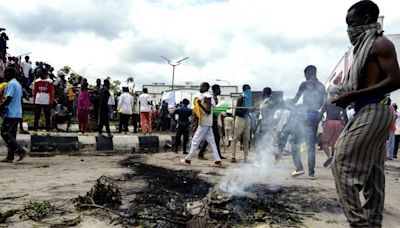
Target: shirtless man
[(358, 163), (313, 92)]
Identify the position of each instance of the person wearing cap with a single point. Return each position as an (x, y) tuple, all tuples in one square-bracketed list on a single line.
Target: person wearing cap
[(336, 119), (204, 130), (125, 106)]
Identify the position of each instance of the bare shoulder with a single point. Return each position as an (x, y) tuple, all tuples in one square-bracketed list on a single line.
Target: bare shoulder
[(383, 46)]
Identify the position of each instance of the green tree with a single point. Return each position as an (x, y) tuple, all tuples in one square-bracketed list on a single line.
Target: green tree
[(115, 86), (71, 74)]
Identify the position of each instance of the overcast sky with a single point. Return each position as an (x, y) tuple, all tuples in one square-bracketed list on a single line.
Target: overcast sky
[(262, 43)]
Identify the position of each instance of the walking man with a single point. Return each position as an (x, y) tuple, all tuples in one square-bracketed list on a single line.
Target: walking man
[(242, 123), (313, 92), (204, 130), (12, 105), (358, 163), (216, 92)]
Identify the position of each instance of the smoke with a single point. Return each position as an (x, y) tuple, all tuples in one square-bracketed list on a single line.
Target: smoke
[(263, 169)]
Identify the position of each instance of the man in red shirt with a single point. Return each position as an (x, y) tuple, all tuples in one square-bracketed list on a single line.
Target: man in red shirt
[(43, 97)]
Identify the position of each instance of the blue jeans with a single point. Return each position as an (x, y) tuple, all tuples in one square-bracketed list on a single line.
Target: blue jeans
[(390, 145), (111, 112), (307, 129)]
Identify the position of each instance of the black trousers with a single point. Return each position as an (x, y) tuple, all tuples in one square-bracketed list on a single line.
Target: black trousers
[(217, 139), (123, 122), (182, 130), (96, 110), (396, 144), (104, 121), (47, 113), (135, 120), (9, 134)]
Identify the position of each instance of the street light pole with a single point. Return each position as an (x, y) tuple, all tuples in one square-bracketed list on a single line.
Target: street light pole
[(173, 67)]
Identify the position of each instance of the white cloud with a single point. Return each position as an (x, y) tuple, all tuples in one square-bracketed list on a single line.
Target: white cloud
[(263, 43)]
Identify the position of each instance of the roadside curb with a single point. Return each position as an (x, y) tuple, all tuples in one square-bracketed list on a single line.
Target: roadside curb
[(49, 144)]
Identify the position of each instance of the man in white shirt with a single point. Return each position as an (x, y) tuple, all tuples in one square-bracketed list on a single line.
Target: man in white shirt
[(145, 111), (111, 103), (125, 106), (27, 70), (204, 130)]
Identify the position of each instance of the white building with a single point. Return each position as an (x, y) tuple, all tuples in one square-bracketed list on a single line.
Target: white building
[(188, 91)]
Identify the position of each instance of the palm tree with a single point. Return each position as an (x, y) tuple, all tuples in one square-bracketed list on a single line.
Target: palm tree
[(130, 80)]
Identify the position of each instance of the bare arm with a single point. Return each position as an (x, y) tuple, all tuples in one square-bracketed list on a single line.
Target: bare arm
[(299, 93), (387, 60)]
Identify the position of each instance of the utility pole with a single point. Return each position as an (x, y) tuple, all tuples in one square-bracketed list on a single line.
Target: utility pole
[(173, 67)]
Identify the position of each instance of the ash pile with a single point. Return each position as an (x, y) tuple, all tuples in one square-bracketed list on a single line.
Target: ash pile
[(256, 204), (180, 198)]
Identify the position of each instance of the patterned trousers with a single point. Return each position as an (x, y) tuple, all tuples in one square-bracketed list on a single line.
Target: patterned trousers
[(358, 165)]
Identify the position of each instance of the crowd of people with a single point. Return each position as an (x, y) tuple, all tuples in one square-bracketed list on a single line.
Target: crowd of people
[(359, 125)]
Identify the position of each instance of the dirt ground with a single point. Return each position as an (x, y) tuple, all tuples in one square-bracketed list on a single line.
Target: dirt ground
[(61, 178)]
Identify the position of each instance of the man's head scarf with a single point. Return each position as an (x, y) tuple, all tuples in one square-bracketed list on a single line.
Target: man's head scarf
[(362, 37)]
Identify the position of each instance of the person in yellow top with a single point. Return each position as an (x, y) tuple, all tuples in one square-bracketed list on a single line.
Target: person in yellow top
[(3, 86)]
